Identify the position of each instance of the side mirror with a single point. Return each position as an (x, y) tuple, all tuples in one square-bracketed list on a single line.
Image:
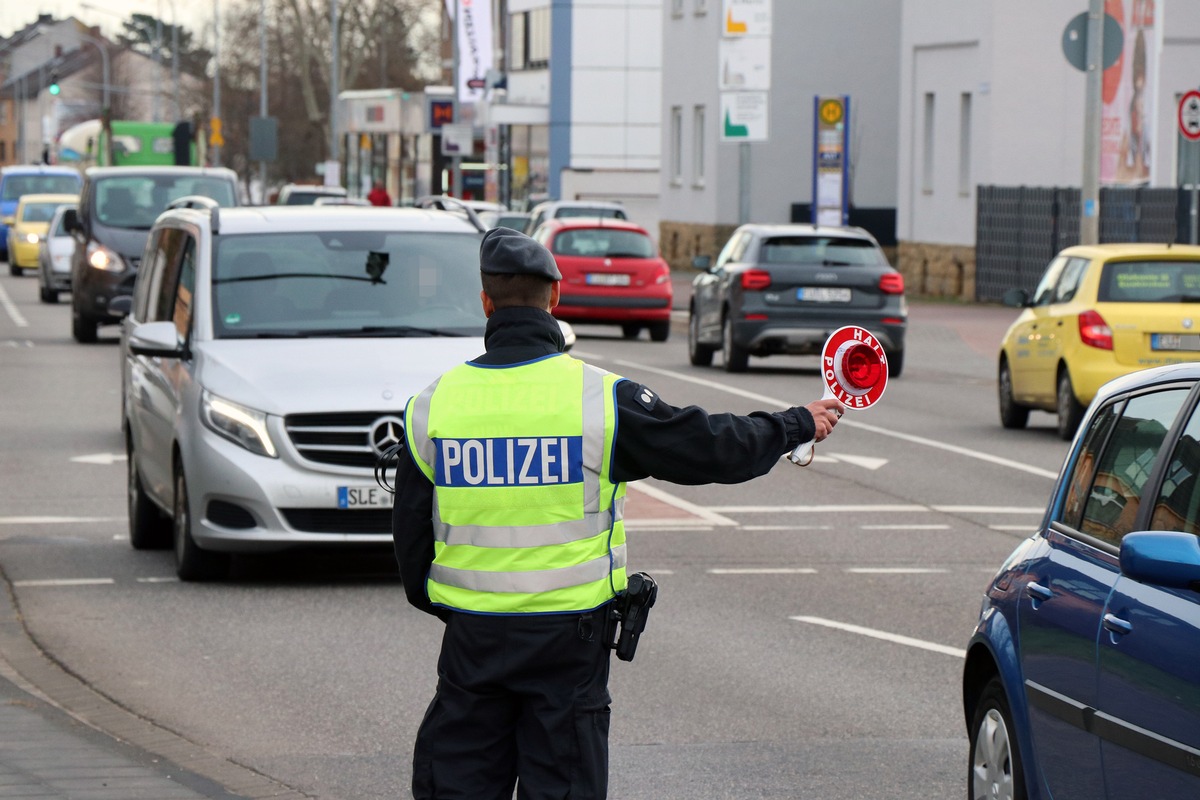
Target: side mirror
[(1162, 558), (71, 221), (702, 263), (155, 339), (1017, 298)]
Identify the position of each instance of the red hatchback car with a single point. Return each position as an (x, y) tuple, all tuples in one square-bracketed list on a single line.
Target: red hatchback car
[(612, 274)]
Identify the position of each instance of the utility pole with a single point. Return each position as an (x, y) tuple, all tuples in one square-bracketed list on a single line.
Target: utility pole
[(216, 150), (334, 145), (262, 96), (1089, 210), (456, 159)]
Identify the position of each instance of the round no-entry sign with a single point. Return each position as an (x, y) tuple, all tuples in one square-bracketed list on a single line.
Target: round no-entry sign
[(1189, 115)]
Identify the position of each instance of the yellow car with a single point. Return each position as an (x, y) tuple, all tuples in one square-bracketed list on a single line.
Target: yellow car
[(1099, 311), (28, 226)]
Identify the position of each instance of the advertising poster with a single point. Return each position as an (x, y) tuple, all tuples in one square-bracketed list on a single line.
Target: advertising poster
[(474, 34), (1127, 127)]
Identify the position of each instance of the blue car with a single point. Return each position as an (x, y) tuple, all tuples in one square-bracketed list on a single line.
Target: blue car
[(31, 179), (1082, 679)]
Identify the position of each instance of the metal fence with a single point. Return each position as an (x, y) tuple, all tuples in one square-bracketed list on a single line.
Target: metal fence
[(1018, 229)]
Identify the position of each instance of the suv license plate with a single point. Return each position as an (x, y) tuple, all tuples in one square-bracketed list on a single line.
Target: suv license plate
[(363, 497), (823, 294), (607, 279), (1175, 341)]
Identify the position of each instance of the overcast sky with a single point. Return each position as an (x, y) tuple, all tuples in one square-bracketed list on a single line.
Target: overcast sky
[(194, 15)]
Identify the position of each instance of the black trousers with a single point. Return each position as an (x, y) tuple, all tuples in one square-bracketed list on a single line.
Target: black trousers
[(521, 701)]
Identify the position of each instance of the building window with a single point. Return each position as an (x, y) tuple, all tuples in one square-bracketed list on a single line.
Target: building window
[(676, 145), (698, 146), (3, 151), (964, 145), (701, 7), (677, 8), (927, 148), (529, 39)]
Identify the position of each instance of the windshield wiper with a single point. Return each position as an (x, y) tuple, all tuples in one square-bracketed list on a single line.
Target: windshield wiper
[(383, 331), (624, 255)]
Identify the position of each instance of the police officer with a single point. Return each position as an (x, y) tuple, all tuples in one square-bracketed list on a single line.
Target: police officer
[(508, 526)]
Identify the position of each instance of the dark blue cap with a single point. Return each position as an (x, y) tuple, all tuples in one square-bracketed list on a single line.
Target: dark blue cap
[(504, 251)]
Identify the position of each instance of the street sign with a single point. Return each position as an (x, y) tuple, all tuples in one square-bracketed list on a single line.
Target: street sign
[(746, 18), (744, 64), (1189, 116), (1074, 41), (744, 117)]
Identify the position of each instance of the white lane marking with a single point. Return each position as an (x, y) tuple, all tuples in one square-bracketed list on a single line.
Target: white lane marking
[(884, 635), (860, 461), (104, 459), (763, 571), (66, 582), (989, 509), (710, 516), (905, 527), (664, 525), (787, 527), (158, 580), (1028, 528), (55, 520), (815, 509), (11, 307), (895, 571), (761, 398)]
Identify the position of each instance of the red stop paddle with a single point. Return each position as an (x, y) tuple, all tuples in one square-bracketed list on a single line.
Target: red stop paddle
[(854, 368)]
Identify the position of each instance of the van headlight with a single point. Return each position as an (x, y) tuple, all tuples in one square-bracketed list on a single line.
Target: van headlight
[(237, 423), (32, 238), (104, 258)]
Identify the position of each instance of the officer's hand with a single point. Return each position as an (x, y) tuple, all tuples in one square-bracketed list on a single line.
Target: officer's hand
[(825, 413)]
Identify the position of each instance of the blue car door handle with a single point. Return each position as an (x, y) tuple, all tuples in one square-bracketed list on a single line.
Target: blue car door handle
[(1038, 592), (1114, 624)]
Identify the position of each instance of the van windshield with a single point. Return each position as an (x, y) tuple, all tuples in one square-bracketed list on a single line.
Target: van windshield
[(17, 185), (346, 283), (135, 201)]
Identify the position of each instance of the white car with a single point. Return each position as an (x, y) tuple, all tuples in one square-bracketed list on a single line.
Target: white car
[(267, 359), (553, 209), (54, 258)]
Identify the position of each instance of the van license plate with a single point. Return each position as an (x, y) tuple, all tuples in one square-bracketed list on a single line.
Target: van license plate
[(363, 497), (823, 294), (1175, 341)]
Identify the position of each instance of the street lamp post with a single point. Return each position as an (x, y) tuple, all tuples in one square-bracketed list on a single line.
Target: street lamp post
[(102, 46)]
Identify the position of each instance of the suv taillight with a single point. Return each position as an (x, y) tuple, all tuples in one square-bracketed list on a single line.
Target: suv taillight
[(891, 283), (755, 280), (1094, 331)]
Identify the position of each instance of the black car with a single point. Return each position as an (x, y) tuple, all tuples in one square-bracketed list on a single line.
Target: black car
[(117, 208), (782, 289)]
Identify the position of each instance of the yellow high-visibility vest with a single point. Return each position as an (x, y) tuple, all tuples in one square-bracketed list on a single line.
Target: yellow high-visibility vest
[(525, 517)]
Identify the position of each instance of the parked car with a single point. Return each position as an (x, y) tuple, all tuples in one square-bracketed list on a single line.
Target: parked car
[(612, 274), (117, 207), (335, 200), (267, 357), (304, 194), (25, 179), (552, 209), (1082, 677), (28, 226), (504, 219), (1099, 311), (782, 289), (54, 258)]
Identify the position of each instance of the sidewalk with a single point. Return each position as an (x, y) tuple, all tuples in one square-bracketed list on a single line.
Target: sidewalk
[(60, 739)]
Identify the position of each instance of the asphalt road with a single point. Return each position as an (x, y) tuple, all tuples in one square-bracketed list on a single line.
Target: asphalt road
[(806, 643)]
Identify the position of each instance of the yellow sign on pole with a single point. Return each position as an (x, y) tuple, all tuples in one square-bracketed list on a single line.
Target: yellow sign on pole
[(215, 139)]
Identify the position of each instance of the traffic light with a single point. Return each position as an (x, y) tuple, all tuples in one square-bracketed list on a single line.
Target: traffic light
[(54, 87)]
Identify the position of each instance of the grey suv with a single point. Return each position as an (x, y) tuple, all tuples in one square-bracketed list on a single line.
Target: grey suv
[(117, 207), (266, 362), (782, 289)]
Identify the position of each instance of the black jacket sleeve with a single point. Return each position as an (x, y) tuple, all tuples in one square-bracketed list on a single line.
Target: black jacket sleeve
[(412, 532), (691, 446)]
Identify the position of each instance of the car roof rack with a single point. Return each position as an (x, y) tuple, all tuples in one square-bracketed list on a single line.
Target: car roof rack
[(199, 201), (445, 202)]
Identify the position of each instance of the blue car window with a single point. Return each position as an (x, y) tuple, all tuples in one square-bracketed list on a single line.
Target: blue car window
[(1178, 504), (1125, 464)]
